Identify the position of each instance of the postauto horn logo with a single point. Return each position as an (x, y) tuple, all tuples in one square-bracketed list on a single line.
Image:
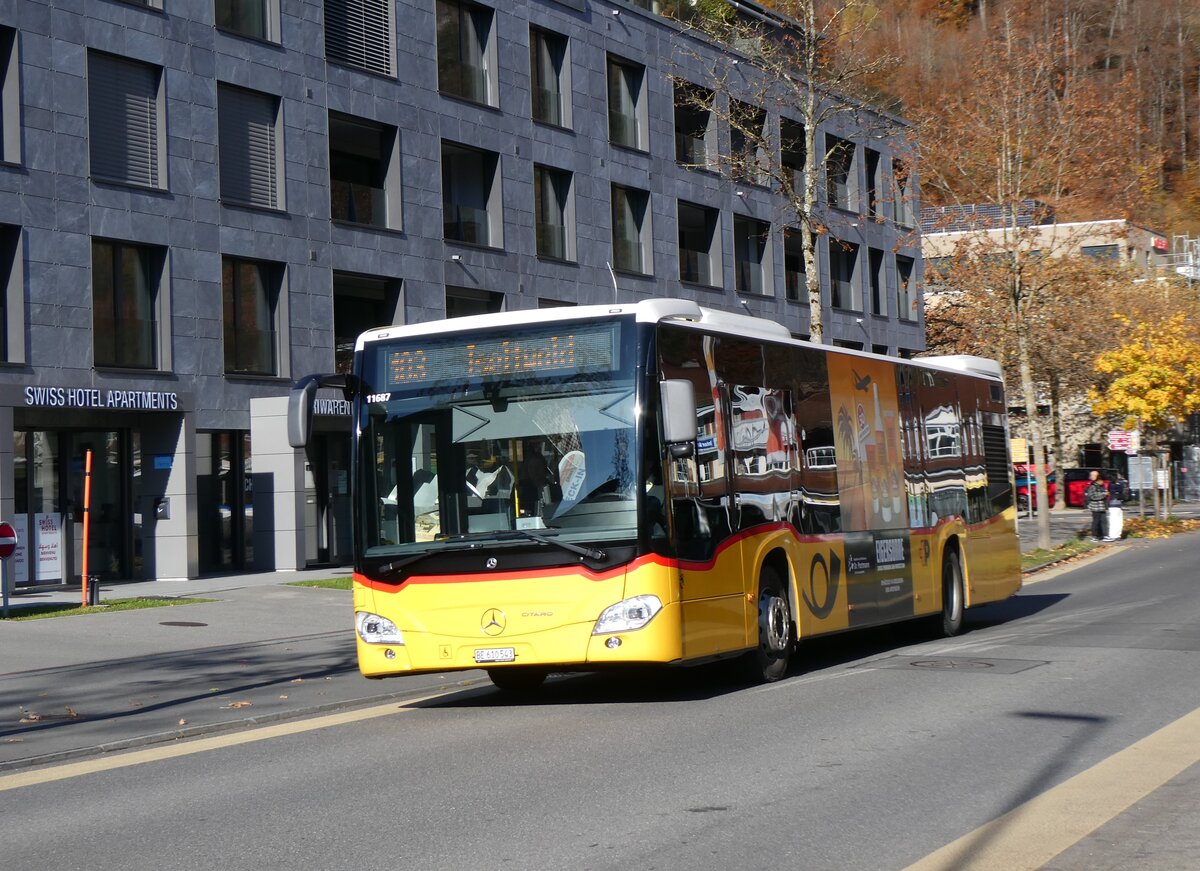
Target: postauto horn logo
[(830, 574)]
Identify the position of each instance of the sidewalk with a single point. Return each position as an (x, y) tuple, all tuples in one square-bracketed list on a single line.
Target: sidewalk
[(1066, 523), (261, 651)]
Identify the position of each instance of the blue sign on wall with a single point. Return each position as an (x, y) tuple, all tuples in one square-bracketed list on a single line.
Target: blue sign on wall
[(163, 462)]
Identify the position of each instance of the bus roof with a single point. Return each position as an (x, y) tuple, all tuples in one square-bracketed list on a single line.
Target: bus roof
[(656, 311)]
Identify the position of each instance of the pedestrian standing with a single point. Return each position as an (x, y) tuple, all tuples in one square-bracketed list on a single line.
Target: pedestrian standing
[(1095, 497)]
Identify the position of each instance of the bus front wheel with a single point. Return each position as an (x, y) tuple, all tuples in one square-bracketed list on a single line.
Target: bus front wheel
[(517, 679), (953, 598), (768, 661)]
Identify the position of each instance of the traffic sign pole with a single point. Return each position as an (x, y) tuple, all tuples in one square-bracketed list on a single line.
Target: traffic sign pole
[(8, 544)]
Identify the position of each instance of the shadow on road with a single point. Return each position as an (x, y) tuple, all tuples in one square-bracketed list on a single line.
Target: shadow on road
[(694, 683), (110, 692)]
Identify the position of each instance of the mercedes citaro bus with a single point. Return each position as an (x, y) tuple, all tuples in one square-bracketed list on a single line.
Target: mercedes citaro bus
[(587, 488)]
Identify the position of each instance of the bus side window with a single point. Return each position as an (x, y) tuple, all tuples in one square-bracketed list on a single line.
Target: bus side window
[(820, 504)]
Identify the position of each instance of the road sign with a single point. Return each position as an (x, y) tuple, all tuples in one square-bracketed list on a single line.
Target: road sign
[(8, 539), (1118, 440)]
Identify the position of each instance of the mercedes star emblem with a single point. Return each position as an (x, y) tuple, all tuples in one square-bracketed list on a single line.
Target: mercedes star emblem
[(492, 622)]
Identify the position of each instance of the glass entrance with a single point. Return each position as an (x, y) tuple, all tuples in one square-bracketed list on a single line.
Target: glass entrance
[(48, 478), (327, 497), (226, 501), (110, 529)]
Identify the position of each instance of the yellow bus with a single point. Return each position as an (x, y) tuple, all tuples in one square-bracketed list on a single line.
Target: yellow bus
[(659, 483)]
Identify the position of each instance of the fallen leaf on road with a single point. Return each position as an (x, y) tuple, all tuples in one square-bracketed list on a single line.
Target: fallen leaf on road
[(135, 704), (71, 713), (298, 680), (14, 740), (31, 717), (244, 703), (183, 722), (284, 696)]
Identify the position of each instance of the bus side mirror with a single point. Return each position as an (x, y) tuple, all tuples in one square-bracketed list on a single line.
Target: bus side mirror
[(300, 404), (678, 416)]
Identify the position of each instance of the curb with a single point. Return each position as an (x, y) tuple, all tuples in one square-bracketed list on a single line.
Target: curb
[(229, 726), (1076, 560)]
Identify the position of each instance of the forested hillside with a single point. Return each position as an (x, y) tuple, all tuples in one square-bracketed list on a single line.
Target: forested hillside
[(1094, 102)]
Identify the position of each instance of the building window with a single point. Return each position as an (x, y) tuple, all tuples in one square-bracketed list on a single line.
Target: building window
[(464, 51), (364, 172), (462, 302), (258, 19), (747, 143), (695, 132), (549, 77), (10, 97), (874, 182), (626, 103), (250, 147), (699, 251), (840, 183), (361, 303), (906, 289), (1101, 252), (358, 33), (750, 255), (471, 196), (554, 213), (126, 142), (878, 279), (902, 193), (250, 291), (125, 280), (631, 230), (794, 275), (792, 152), (12, 295), (843, 275)]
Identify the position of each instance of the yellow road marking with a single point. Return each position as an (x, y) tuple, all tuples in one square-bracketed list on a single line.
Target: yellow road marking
[(203, 745), (1032, 834)]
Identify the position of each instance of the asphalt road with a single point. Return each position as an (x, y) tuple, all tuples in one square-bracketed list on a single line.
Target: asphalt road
[(878, 751)]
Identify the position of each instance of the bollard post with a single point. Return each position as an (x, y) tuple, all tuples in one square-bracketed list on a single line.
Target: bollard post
[(93, 590)]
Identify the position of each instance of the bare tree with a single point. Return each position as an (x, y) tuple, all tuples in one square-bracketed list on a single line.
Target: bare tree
[(806, 64)]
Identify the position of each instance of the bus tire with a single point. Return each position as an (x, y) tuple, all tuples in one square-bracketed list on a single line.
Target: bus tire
[(768, 661), (518, 678), (953, 597)]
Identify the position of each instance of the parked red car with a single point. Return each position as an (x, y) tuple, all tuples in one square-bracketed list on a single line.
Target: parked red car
[(1027, 485), (1077, 481)]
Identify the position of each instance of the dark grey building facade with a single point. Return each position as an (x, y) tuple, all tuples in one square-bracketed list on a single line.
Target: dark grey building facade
[(201, 200)]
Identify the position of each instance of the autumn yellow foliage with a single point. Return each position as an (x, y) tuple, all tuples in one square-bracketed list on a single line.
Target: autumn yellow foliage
[(1153, 377)]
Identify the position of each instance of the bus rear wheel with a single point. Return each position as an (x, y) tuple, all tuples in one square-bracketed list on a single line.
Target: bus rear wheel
[(517, 678), (768, 661), (953, 599)]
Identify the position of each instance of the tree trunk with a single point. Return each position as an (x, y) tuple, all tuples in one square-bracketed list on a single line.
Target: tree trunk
[(1035, 433), (1059, 449)]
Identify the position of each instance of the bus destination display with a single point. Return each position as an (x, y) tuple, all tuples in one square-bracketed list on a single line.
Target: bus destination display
[(587, 348)]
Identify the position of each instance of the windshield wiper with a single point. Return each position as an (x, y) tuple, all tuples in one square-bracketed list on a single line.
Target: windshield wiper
[(393, 567), (593, 553)]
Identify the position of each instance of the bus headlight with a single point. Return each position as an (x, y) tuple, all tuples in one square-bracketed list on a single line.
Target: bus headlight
[(374, 629), (627, 615)]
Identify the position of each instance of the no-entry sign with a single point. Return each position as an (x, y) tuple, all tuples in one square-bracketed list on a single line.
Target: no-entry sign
[(8, 539)]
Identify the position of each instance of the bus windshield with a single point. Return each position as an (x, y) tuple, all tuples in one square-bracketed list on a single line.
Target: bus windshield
[(525, 433)]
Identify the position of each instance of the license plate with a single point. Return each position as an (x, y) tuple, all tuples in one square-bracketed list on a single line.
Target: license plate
[(495, 654)]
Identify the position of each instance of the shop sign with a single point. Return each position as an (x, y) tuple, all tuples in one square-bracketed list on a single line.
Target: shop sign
[(94, 397), (44, 542), (331, 407)]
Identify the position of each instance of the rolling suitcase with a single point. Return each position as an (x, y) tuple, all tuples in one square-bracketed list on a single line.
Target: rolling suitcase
[(1116, 520)]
